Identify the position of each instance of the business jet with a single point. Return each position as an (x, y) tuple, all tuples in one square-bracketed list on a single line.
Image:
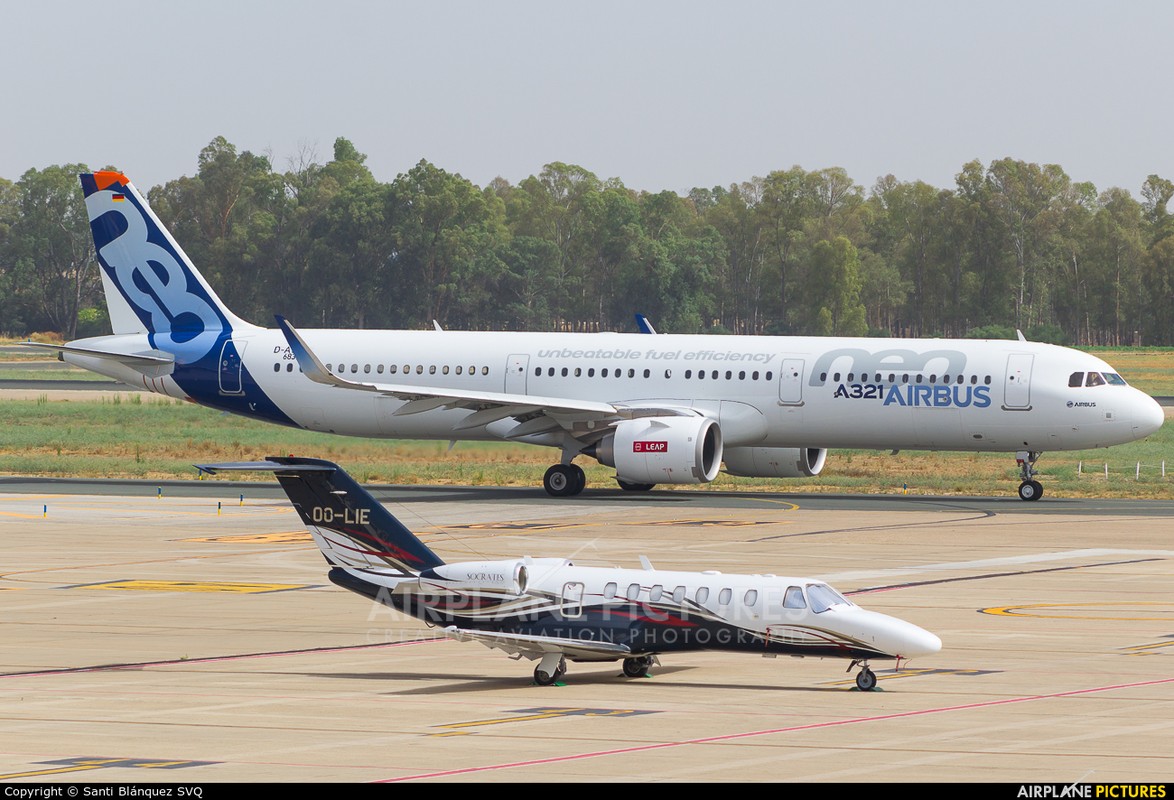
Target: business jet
[(550, 610), (658, 408)]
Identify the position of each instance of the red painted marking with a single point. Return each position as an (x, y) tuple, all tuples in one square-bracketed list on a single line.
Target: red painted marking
[(748, 734), (650, 447)]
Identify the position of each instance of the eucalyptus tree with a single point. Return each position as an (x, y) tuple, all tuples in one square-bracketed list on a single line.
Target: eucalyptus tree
[(52, 269), (447, 237)]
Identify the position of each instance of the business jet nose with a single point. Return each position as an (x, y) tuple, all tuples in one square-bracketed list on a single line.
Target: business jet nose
[(918, 642), (894, 636), (1148, 416)]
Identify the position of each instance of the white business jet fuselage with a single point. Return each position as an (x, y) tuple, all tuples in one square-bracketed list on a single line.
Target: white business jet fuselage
[(551, 609), (659, 408)]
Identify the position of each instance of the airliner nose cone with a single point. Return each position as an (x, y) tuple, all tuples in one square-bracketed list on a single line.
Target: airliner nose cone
[(1148, 417)]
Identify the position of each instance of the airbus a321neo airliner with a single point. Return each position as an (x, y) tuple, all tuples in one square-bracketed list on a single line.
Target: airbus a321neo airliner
[(658, 408), (549, 610)]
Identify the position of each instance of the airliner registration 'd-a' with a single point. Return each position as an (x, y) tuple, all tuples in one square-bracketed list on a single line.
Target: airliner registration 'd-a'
[(659, 408), (550, 609)]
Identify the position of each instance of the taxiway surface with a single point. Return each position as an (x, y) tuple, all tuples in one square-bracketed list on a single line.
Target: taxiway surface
[(177, 633)]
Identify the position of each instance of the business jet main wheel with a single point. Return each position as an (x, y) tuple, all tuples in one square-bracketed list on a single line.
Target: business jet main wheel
[(564, 480), (1031, 490), (543, 678), (637, 667), (635, 487), (866, 680)]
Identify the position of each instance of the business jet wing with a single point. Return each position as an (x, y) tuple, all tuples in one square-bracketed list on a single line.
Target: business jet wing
[(489, 406), (537, 646)]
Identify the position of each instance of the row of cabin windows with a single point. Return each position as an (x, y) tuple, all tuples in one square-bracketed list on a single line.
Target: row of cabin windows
[(864, 377), (792, 598), (578, 372), (393, 369), (1095, 379)]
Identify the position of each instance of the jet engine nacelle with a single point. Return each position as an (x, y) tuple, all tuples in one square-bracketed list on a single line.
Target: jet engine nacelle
[(664, 450), (775, 462), (509, 577)]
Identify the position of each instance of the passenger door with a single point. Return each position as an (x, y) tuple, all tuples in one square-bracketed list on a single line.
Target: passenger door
[(791, 382), (515, 373), (1017, 384)]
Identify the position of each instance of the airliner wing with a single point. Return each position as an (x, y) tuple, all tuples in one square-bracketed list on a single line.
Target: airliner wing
[(535, 646), (490, 406)]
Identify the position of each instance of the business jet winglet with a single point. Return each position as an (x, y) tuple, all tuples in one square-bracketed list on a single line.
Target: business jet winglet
[(658, 408), (550, 610)]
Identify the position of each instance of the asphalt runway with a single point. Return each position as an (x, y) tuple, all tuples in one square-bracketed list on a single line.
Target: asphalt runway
[(177, 633)]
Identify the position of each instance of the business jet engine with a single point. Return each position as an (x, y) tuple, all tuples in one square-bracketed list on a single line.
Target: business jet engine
[(775, 462), (650, 450), (503, 577)]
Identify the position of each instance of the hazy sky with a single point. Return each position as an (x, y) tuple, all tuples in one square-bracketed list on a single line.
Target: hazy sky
[(663, 95)]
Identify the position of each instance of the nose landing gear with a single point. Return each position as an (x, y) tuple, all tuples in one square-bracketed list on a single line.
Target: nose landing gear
[(866, 678), (1029, 489)]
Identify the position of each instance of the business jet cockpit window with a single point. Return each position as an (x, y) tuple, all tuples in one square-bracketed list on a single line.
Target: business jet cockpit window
[(794, 598), (822, 597)]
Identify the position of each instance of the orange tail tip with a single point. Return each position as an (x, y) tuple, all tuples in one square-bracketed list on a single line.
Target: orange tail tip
[(106, 179)]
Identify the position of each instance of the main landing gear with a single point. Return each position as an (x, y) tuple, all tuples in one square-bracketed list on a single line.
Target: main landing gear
[(1030, 489), (564, 480), (866, 678), (550, 669), (637, 667)]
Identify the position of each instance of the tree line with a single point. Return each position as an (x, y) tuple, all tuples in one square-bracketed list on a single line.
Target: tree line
[(1013, 245)]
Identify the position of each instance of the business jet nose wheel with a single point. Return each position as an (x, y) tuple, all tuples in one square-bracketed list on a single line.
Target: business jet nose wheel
[(866, 680), (564, 480), (1030, 489)]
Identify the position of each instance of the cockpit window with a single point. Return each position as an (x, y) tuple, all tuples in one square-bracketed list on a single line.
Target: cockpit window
[(1094, 379), (1076, 379), (1115, 379), (823, 597), (794, 598)]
